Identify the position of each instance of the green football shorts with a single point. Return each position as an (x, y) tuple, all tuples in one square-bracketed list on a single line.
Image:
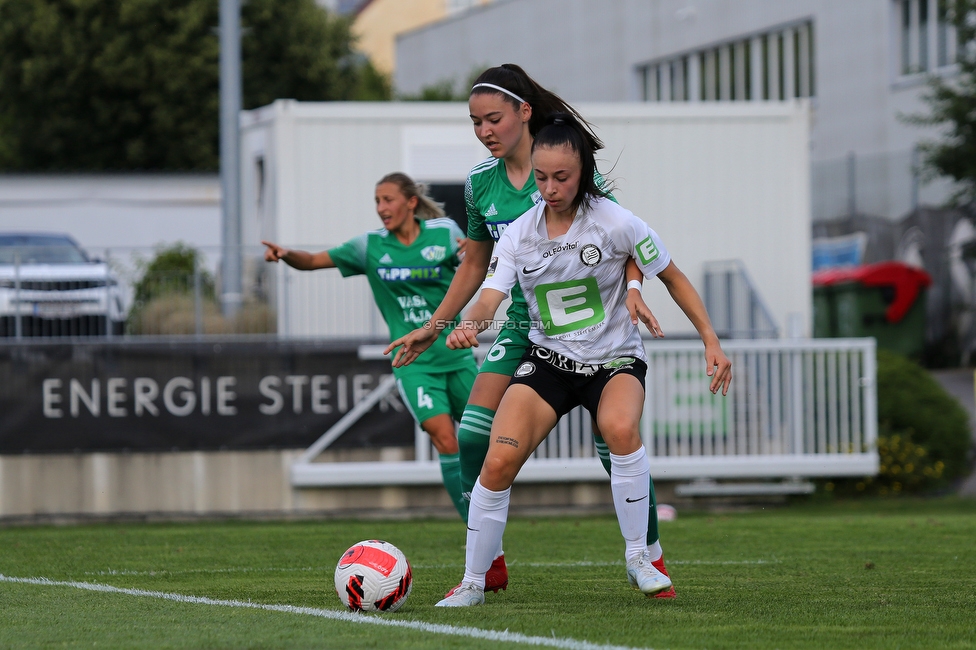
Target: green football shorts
[(429, 394), (506, 352)]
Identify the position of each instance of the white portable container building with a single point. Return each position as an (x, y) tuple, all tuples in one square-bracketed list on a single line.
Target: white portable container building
[(717, 181)]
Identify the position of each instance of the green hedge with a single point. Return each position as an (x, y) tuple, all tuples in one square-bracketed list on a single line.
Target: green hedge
[(923, 436)]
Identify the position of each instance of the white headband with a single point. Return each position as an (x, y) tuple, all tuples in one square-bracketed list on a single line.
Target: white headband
[(499, 88)]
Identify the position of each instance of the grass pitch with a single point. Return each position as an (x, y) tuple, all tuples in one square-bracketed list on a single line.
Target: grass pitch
[(869, 574)]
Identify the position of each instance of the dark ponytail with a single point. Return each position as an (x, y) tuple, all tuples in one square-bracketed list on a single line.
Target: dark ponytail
[(514, 80), (564, 129)]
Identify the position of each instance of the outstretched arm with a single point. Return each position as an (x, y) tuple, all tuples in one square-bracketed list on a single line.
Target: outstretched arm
[(468, 278), (301, 260), (718, 366)]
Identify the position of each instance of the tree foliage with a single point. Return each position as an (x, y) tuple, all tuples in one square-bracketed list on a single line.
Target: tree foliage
[(133, 84), (952, 102), (172, 270)]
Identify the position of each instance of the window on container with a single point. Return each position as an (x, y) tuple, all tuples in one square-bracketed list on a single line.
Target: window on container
[(452, 196), (259, 174)]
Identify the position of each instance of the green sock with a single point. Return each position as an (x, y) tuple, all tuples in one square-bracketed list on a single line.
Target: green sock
[(652, 533), (604, 453), (451, 473), (473, 437)]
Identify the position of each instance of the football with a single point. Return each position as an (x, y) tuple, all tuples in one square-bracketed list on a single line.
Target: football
[(373, 576)]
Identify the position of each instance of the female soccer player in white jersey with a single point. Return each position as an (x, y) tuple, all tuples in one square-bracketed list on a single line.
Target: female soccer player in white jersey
[(507, 108), (567, 254), (409, 264)]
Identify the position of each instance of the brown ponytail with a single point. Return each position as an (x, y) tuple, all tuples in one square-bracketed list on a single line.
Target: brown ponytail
[(543, 102), (427, 208)]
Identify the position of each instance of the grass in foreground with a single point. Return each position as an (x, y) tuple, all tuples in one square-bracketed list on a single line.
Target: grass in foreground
[(872, 574)]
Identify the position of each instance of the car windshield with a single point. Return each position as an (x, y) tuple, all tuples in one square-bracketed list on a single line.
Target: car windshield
[(40, 249)]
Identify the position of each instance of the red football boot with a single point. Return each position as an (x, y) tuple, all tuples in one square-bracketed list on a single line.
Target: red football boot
[(497, 576), (667, 593), (495, 579)]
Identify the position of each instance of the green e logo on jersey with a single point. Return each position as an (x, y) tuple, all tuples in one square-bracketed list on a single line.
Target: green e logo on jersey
[(647, 252), (569, 306)]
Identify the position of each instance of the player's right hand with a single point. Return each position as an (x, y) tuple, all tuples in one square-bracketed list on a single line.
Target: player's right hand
[(412, 345), (464, 336), (273, 252)]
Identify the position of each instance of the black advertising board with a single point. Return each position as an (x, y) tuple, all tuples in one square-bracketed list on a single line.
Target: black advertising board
[(164, 395)]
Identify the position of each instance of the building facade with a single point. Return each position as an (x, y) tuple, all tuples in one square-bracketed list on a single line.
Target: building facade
[(862, 63)]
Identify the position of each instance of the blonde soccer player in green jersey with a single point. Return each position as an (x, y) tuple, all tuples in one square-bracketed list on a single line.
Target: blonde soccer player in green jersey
[(507, 109), (585, 350), (409, 264)]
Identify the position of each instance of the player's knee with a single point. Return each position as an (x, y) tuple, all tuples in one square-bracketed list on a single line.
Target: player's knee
[(497, 474), (621, 437)]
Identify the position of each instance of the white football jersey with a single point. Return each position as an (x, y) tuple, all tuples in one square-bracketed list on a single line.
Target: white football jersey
[(575, 286)]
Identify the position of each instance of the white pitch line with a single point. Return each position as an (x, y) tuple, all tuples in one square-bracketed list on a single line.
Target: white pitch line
[(348, 617), (513, 563)]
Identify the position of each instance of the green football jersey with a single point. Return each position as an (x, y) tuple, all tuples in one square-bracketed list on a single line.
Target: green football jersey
[(492, 202), (408, 283)]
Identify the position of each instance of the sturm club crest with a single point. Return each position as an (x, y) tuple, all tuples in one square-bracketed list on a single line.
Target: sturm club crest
[(591, 255), (524, 370)]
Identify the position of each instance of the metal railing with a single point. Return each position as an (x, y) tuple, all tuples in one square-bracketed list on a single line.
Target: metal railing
[(133, 299), (797, 408)]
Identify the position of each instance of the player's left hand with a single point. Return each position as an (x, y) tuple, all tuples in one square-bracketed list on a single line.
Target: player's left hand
[(462, 246), (719, 368), (640, 311)]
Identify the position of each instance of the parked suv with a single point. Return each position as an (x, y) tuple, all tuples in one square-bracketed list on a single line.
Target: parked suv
[(56, 290)]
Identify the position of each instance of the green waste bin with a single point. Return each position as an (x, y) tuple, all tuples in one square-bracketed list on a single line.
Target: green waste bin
[(884, 300)]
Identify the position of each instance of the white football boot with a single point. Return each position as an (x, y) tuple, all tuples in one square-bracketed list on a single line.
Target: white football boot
[(465, 595), (643, 575)]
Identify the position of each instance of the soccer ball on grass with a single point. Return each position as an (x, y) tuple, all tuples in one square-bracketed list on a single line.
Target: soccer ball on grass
[(373, 576)]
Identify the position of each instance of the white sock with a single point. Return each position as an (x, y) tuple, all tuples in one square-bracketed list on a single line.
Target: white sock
[(655, 550), (630, 478), (487, 516)]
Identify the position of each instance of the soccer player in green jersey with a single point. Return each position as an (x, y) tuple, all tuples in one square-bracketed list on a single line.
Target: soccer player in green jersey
[(507, 109), (409, 264)]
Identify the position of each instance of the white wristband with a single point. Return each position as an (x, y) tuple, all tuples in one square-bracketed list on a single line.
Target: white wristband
[(634, 284)]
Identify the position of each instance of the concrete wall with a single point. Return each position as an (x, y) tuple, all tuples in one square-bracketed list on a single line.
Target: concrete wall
[(120, 211), (227, 484)]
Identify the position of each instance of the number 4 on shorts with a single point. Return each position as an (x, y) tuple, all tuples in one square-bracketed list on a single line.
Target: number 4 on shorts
[(424, 400)]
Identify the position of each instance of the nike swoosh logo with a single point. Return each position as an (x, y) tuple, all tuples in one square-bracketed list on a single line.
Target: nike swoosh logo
[(628, 500), (473, 530), (526, 270)]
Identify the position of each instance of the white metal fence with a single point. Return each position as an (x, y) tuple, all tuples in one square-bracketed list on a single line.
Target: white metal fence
[(796, 409)]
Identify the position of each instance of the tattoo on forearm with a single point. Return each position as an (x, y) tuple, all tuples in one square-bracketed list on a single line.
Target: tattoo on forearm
[(507, 441)]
